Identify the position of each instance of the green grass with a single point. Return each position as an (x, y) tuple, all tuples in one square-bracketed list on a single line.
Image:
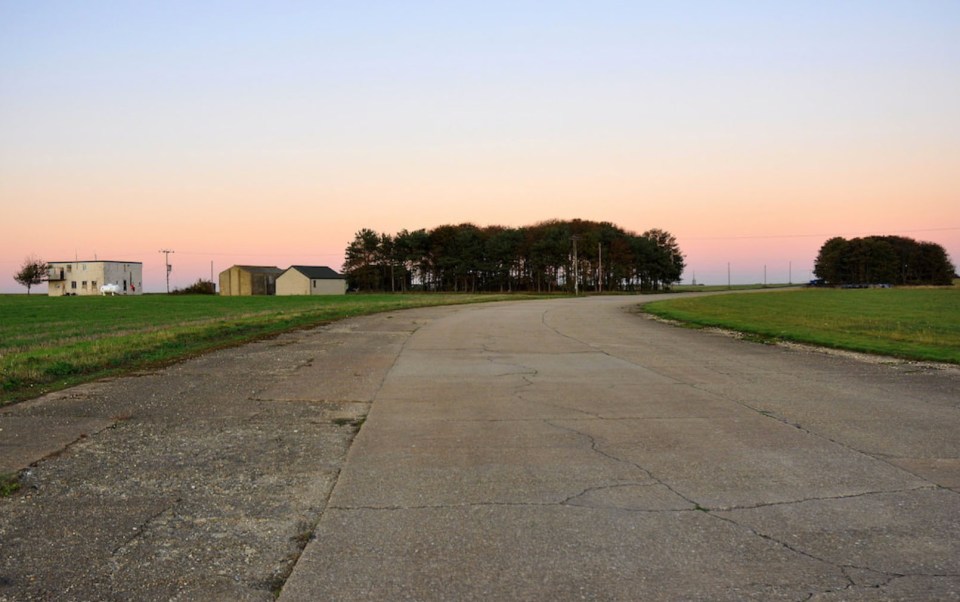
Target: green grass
[(48, 343), (9, 484), (701, 288), (910, 323)]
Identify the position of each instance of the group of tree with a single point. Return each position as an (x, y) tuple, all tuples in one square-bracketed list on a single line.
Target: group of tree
[(32, 272), (548, 256), (883, 260)]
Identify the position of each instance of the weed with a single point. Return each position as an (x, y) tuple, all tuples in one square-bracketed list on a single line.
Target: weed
[(354, 422), (9, 484)]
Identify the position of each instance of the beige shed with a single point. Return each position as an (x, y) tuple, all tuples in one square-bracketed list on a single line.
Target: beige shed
[(311, 280), (249, 280)]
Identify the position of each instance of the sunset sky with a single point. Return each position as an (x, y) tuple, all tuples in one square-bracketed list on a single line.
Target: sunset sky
[(270, 132)]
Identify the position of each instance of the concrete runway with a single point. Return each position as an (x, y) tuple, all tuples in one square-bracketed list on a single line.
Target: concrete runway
[(542, 450), (568, 449)]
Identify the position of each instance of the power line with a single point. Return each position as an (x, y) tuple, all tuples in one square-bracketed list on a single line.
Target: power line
[(770, 236), (248, 253)]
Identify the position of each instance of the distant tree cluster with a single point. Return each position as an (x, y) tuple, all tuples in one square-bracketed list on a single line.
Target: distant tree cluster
[(469, 258), (883, 260)]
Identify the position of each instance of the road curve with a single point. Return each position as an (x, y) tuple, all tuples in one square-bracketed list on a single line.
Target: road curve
[(571, 449)]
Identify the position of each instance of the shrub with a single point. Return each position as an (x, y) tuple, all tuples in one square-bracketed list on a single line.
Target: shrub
[(200, 287)]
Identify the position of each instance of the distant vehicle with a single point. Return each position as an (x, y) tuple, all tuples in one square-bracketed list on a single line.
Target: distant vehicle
[(817, 282), (110, 288)]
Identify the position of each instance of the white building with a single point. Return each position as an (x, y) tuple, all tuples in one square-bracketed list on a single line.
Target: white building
[(86, 277), (311, 280)]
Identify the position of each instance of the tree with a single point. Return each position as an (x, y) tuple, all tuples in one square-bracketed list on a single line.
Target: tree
[(362, 265), (883, 260), (465, 257), (830, 264), (669, 262), (33, 271)]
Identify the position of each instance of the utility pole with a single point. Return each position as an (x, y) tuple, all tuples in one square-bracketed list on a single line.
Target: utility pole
[(599, 269), (728, 275), (166, 261), (576, 283)]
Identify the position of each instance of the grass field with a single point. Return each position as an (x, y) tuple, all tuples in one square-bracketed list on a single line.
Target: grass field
[(708, 288), (47, 343), (911, 323)]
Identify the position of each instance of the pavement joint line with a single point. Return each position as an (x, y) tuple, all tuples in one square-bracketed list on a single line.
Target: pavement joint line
[(386, 373), (326, 507), (565, 502)]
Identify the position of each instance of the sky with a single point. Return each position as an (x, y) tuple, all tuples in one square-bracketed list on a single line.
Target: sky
[(269, 133)]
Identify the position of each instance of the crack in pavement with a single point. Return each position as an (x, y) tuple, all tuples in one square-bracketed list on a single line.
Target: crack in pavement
[(712, 512), (765, 413), (596, 449), (142, 528), (825, 498)]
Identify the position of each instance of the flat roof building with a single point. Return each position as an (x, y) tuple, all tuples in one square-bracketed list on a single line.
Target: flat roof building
[(86, 277)]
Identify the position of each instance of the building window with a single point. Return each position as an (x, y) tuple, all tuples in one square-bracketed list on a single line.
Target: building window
[(83, 285), (73, 284), (93, 284)]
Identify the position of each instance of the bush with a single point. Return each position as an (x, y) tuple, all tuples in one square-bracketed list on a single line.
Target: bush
[(200, 287)]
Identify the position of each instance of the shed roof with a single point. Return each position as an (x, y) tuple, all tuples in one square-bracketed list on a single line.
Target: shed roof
[(319, 272), (260, 269)]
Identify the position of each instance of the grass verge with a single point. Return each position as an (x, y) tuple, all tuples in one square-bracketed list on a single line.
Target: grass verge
[(909, 323), (49, 343)]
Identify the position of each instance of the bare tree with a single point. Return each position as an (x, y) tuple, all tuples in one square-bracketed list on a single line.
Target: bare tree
[(33, 271)]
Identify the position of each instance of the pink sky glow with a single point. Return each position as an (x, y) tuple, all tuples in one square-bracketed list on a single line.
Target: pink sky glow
[(245, 134)]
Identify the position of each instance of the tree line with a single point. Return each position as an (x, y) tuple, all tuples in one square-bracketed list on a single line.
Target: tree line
[(549, 256), (883, 260)]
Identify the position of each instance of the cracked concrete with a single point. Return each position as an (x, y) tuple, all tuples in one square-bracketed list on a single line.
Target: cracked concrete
[(559, 449), (569, 449), (202, 481)]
